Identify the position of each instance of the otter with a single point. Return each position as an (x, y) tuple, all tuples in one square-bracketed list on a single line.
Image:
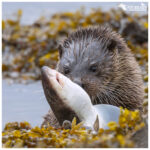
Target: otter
[(98, 60), (92, 116)]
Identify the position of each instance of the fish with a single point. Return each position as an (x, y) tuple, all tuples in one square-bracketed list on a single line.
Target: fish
[(76, 98)]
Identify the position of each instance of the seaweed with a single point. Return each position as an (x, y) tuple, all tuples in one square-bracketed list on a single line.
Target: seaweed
[(117, 135)]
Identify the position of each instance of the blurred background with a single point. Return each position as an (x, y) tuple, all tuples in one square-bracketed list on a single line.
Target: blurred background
[(31, 32)]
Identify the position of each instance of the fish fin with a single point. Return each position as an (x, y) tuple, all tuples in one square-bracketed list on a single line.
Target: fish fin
[(96, 124)]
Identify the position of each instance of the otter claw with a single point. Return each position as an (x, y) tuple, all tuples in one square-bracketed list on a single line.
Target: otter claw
[(66, 124)]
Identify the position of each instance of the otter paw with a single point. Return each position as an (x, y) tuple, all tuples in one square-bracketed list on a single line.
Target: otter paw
[(66, 124)]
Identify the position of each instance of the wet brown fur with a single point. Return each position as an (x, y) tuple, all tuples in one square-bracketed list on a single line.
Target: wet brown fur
[(118, 80)]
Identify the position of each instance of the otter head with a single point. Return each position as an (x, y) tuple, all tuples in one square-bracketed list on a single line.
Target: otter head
[(87, 57)]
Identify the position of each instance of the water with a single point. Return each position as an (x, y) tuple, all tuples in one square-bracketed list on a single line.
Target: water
[(21, 102), (46, 9), (33, 10)]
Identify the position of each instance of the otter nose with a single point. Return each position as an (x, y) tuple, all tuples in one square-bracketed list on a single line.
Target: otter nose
[(78, 81)]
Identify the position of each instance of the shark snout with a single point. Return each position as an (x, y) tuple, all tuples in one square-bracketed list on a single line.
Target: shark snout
[(51, 75), (48, 71)]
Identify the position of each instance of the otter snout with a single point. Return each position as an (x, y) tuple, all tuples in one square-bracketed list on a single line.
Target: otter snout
[(78, 81)]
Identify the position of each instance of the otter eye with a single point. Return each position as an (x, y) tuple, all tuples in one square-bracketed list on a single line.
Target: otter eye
[(93, 68), (66, 70)]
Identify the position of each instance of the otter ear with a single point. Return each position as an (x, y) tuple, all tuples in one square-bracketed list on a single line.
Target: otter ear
[(96, 124), (112, 45), (60, 49)]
